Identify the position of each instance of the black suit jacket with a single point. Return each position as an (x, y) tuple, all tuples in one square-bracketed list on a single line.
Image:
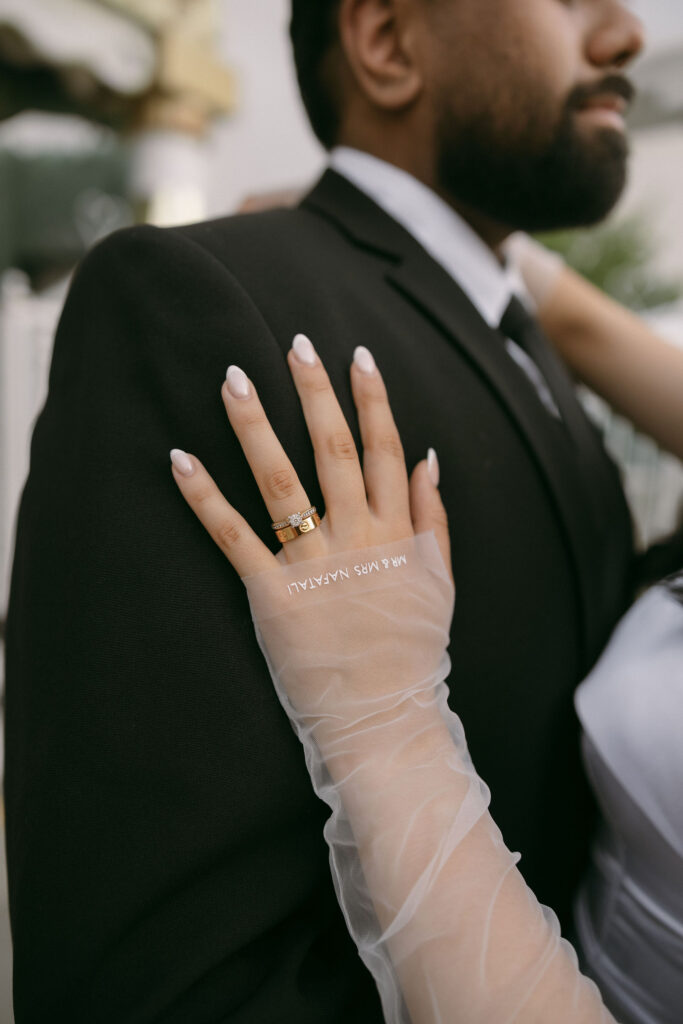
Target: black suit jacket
[(165, 850)]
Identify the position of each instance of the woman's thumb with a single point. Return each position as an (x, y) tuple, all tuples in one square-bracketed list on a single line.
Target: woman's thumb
[(426, 507)]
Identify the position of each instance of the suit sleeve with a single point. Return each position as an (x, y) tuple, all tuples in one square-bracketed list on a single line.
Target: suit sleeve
[(138, 706)]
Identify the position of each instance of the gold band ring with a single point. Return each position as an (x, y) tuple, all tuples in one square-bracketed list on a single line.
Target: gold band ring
[(296, 524)]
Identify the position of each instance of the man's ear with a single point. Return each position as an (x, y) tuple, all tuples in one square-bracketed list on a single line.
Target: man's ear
[(379, 39)]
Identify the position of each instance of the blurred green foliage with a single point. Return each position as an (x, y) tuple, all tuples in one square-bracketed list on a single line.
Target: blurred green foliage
[(54, 206), (618, 257)]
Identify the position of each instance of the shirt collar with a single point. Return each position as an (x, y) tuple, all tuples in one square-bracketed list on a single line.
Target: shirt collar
[(445, 235)]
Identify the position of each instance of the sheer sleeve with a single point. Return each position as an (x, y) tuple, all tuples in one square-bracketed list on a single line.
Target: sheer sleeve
[(356, 644)]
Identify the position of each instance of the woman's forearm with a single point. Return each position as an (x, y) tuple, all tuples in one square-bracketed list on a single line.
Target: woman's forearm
[(432, 897), (616, 354), (465, 935)]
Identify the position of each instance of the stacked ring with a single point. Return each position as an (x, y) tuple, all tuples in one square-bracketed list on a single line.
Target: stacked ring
[(296, 524)]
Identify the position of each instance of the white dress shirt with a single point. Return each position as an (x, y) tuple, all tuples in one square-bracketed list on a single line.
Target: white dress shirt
[(449, 240)]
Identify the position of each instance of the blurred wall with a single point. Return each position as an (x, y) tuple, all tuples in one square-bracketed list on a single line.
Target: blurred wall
[(655, 186), (267, 144)]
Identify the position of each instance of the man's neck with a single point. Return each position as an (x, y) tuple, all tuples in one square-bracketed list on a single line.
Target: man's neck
[(492, 232), (437, 225)]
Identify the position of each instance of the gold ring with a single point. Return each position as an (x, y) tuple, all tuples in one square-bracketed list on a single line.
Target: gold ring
[(296, 524)]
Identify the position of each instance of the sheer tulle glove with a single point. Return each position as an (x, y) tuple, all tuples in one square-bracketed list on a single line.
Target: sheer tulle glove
[(356, 648), (353, 620)]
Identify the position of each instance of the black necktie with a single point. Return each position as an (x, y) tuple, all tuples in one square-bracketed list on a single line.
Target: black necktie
[(521, 327)]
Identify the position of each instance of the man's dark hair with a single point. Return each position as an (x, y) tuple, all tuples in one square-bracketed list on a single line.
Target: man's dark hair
[(313, 31)]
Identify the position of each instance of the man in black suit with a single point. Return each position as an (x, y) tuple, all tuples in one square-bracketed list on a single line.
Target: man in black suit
[(165, 849)]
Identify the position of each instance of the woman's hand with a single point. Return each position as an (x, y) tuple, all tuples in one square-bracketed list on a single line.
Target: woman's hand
[(364, 507), (430, 893), (331, 649)]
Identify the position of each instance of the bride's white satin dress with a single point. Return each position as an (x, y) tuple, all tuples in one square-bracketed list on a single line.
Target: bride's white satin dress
[(629, 910)]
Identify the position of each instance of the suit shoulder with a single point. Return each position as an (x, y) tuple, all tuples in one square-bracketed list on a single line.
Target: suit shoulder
[(155, 260), (280, 223), (260, 257), (145, 282), (271, 237), (235, 243), (127, 259), (131, 245)]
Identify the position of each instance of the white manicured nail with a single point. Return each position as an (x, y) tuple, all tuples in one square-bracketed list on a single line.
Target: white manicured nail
[(182, 462), (303, 350), (362, 357), (238, 382), (433, 467)]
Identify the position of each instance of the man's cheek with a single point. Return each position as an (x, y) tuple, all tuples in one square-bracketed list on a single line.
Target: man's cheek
[(546, 39)]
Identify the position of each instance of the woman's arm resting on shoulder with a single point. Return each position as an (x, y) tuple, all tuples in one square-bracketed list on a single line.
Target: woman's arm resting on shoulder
[(609, 348), (353, 619)]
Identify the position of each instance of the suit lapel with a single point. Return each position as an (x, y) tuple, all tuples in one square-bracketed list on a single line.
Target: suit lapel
[(424, 283)]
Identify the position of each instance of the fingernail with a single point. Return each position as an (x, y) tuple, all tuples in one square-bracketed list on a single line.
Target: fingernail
[(182, 462), (303, 350), (433, 467), (362, 357), (238, 383)]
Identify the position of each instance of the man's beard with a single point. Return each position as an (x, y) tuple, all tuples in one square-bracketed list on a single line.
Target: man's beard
[(535, 180)]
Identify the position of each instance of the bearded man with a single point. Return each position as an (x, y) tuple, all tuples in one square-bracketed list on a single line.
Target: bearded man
[(165, 849)]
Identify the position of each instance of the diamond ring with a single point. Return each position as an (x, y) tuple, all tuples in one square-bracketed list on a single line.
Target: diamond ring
[(296, 524)]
